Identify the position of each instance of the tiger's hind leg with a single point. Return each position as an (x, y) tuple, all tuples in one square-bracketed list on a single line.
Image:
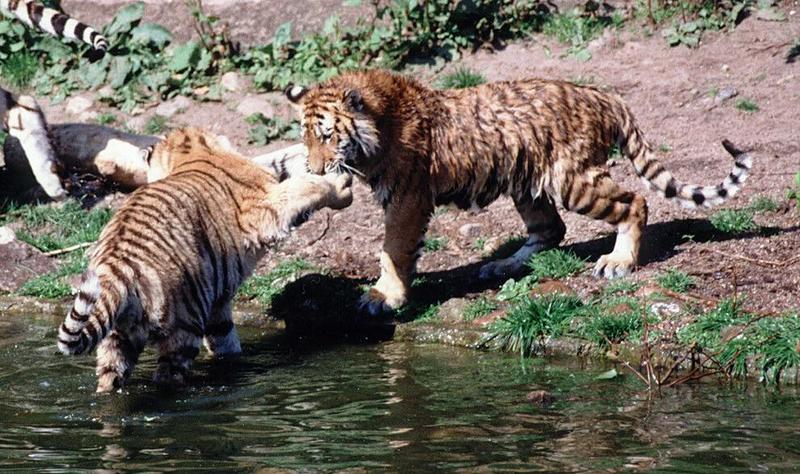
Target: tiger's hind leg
[(545, 231), (117, 355), (176, 353), (221, 338), (596, 195)]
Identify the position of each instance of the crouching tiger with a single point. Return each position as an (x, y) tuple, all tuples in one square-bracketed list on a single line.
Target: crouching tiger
[(169, 262), (541, 142)]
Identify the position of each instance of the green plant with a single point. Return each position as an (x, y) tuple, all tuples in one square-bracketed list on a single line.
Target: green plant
[(51, 228), (664, 148), (615, 152), (793, 194), (434, 244), (55, 285), (577, 30), (675, 280), (734, 221), (479, 308), (430, 314), (156, 125), (106, 118), (611, 321), (761, 204), (479, 243), (554, 264), (461, 78), (263, 288), (698, 17), (620, 287), (19, 69), (746, 105), (267, 129), (530, 322)]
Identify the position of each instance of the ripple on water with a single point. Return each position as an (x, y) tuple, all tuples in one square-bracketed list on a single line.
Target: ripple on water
[(383, 406)]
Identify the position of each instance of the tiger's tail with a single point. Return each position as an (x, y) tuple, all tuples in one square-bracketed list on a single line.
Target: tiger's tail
[(92, 315), (655, 176), (52, 21)]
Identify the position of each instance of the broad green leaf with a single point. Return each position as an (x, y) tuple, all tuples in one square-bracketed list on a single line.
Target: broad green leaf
[(282, 35), (608, 375), (185, 56), (352, 3), (125, 19), (120, 69), (152, 33)]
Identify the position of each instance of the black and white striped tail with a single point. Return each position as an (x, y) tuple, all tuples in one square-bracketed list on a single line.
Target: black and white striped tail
[(54, 22), (87, 322)]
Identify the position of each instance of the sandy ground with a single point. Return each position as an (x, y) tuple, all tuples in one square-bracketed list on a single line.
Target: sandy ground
[(668, 90)]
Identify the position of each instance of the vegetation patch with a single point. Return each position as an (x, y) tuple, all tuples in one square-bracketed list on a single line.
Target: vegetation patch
[(156, 125), (762, 204), (55, 285), (461, 78), (746, 105), (611, 321), (554, 264), (434, 244), (793, 194), (620, 287), (264, 288), (692, 18), (51, 227), (265, 130), (479, 308), (577, 30), (675, 280), (734, 221)]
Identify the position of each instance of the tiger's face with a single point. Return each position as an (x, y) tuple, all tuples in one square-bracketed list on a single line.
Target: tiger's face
[(338, 131)]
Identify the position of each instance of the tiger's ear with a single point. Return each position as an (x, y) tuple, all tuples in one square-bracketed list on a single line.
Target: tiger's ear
[(353, 99), (295, 93)]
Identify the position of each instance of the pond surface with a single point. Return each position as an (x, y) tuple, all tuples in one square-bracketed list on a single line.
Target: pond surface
[(380, 407)]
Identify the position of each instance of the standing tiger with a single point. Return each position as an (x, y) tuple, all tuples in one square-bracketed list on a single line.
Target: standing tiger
[(169, 262), (52, 21), (542, 142)]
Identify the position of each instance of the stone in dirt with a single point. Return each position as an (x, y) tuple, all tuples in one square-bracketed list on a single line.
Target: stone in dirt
[(78, 105), (253, 104), (541, 397), (171, 107), (19, 262), (231, 81), (452, 310), (470, 230)]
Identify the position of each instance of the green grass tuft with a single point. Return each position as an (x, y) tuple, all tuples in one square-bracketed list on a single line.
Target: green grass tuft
[(611, 321), (734, 221), (265, 130), (529, 323), (746, 105), (106, 118), (434, 244), (675, 280), (157, 125), (430, 314), (19, 69), (620, 287), (263, 288), (793, 194), (761, 204), (479, 308), (461, 78), (49, 227), (55, 285), (554, 264)]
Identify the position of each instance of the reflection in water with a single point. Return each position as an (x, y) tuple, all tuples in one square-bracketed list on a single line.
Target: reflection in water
[(389, 406)]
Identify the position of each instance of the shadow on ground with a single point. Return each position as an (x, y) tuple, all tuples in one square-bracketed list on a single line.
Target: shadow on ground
[(321, 305)]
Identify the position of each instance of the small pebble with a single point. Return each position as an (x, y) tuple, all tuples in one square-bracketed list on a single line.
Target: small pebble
[(541, 397)]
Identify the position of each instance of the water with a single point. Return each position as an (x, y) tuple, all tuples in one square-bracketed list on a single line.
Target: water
[(380, 407)]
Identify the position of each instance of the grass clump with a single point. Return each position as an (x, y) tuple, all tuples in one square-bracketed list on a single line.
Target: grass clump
[(461, 78), (530, 323), (428, 315), (479, 308), (696, 17), (675, 280), (19, 69), (746, 105), (734, 221), (554, 264), (263, 288), (55, 285), (156, 125), (611, 321), (762, 204), (578, 30), (434, 244), (51, 228), (620, 287), (265, 130), (793, 194), (106, 118)]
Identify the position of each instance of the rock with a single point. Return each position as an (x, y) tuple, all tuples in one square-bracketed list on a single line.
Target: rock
[(254, 104), (137, 123), (231, 81), (666, 309), (78, 105), (548, 287), (470, 230), (541, 397), (7, 235), (106, 91), (489, 318), (725, 68), (452, 310), (20, 262), (171, 107), (88, 116), (726, 93)]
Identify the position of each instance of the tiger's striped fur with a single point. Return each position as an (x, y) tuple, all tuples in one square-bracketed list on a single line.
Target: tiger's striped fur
[(169, 262), (541, 142), (52, 21)]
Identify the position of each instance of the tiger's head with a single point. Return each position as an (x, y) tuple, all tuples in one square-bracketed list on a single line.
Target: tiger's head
[(337, 126)]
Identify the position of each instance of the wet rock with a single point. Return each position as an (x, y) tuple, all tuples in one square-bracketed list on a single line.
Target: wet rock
[(78, 105), (541, 397), (171, 107), (254, 104), (231, 81), (548, 287), (470, 230), (19, 262)]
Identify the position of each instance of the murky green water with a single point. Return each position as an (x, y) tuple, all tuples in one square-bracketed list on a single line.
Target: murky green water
[(382, 407)]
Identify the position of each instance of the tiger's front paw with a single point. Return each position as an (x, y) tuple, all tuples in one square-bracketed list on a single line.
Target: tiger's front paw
[(342, 193), (614, 265), (379, 302)]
